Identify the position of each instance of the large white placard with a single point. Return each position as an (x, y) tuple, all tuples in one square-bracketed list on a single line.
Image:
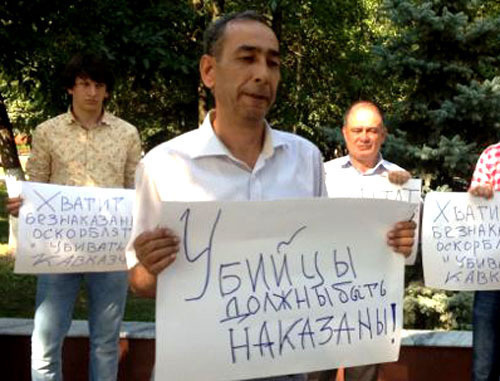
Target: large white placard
[(380, 187), (461, 242), (283, 287), (64, 229)]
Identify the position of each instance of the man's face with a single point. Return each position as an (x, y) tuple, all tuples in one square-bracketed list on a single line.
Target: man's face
[(245, 74), (364, 134), (88, 95)]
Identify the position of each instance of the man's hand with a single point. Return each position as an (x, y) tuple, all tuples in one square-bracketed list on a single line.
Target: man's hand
[(485, 191), (401, 237), (156, 249), (13, 205), (399, 177)]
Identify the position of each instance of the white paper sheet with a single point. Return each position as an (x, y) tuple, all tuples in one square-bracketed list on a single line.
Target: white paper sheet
[(381, 188), (284, 287), (64, 229), (461, 242)]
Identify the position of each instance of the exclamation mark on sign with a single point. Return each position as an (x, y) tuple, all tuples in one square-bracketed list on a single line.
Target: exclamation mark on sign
[(393, 309)]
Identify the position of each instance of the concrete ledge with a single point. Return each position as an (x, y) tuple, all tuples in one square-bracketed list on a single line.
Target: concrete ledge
[(424, 356), (137, 350), (421, 338), (146, 330)]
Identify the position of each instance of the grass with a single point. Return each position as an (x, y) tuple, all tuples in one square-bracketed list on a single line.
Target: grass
[(18, 291)]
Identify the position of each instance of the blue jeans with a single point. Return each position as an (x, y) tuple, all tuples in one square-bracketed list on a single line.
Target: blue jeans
[(486, 336), (55, 300)]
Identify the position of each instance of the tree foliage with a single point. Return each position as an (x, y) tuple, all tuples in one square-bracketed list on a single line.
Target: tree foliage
[(443, 82), (155, 45), (151, 45)]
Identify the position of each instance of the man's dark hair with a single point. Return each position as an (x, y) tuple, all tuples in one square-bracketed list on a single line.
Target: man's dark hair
[(89, 66), (366, 103), (213, 36)]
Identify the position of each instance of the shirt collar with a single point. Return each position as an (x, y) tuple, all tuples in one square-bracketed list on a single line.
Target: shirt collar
[(105, 118), (381, 166), (209, 144)]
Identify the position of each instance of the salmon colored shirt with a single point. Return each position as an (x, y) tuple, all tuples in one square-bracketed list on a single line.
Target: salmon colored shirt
[(488, 168), (64, 152)]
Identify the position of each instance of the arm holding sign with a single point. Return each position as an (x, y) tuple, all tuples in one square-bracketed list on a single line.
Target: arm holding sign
[(155, 250), (401, 237), (485, 191), (151, 248), (398, 177), (13, 204)]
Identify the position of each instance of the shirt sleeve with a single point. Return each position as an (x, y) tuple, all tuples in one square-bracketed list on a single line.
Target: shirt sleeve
[(320, 177), (38, 166), (147, 210), (485, 169), (133, 157)]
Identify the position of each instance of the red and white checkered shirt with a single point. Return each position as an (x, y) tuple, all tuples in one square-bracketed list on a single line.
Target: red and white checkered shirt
[(488, 168)]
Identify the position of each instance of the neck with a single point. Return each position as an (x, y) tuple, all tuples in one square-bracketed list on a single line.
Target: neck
[(244, 139), (87, 119), (364, 165)]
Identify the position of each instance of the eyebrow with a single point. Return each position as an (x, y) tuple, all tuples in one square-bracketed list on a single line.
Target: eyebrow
[(375, 126), (250, 48)]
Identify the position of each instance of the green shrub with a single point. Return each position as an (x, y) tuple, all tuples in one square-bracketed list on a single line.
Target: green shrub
[(428, 308)]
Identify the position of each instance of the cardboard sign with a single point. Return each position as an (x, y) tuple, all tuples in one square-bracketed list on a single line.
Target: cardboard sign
[(64, 229), (279, 287), (461, 242), (380, 187)]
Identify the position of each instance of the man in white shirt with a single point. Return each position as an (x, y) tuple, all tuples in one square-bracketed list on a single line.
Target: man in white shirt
[(234, 155), (364, 133)]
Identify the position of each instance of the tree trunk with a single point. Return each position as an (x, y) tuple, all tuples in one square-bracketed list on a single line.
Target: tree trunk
[(11, 165), (8, 150)]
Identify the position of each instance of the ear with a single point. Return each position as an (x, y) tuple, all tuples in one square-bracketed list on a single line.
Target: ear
[(207, 70), (344, 129), (70, 91), (384, 131)]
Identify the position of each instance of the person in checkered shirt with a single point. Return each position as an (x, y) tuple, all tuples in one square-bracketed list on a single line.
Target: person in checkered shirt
[(486, 311)]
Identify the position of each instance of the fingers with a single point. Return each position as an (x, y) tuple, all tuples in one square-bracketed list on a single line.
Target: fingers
[(399, 177), (485, 191), (402, 237), (156, 249), (13, 205)]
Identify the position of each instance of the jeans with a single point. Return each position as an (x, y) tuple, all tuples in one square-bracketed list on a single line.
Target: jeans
[(55, 300), (486, 336)]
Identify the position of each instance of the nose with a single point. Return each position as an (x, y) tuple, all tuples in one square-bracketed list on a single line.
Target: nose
[(92, 89), (261, 71)]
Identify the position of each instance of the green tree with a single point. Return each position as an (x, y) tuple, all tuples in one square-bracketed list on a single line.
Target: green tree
[(150, 44), (442, 85)]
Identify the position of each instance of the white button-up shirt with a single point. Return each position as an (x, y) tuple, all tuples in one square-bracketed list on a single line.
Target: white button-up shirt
[(340, 171), (197, 166)]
